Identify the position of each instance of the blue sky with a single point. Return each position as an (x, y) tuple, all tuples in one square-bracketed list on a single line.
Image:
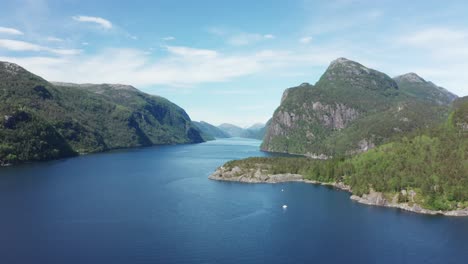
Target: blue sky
[(230, 61)]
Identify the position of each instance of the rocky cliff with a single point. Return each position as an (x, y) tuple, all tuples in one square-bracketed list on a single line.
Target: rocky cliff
[(351, 109)]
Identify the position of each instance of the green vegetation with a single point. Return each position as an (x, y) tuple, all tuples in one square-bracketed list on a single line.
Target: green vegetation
[(414, 86), (351, 109), (433, 163), (42, 121)]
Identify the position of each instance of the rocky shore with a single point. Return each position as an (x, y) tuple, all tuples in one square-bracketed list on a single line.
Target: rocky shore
[(258, 175)]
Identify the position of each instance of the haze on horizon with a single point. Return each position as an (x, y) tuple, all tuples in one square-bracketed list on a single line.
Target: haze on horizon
[(229, 62)]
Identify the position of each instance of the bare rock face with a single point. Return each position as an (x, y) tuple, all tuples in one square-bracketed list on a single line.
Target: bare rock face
[(365, 145), (12, 68), (336, 116), (257, 175), (287, 123), (378, 199), (411, 77), (463, 126)]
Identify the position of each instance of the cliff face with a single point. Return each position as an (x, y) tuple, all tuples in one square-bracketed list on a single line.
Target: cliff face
[(43, 120), (349, 110)]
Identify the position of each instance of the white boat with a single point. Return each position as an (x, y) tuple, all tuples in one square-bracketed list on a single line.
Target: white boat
[(285, 206)]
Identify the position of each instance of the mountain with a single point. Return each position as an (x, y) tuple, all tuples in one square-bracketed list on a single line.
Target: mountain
[(209, 131), (257, 131), (424, 172), (232, 130), (413, 85), (256, 126), (43, 120), (351, 109)]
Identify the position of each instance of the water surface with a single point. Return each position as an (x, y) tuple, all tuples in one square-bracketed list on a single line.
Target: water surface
[(156, 205)]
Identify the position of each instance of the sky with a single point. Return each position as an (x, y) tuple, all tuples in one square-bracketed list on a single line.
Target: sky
[(230, 61)]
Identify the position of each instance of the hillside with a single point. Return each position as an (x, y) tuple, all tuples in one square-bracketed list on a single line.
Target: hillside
[(42, 120), (352, 109), (428, 169)]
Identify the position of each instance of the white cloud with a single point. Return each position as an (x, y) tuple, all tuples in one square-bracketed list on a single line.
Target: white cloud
[(434, 36), (191, 52), (97, 20), (439, 54), (305, 40), (84, 43), (17, 45), (182, 67), (241, 39), (168, 38), (11, 31), (54, 39)]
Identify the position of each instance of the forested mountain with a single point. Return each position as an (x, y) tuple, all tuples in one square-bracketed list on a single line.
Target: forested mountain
[(352, 109), (43, 120), (427, 168)]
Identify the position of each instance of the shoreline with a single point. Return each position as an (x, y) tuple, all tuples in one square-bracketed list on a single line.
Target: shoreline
[(79, 154), (373, 198)]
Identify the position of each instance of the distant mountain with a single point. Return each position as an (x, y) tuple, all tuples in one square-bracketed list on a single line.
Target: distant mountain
[(257, 131), (413, 85), (351, 109), (43, 120), (232, 130), (256, 126), (209, 131)]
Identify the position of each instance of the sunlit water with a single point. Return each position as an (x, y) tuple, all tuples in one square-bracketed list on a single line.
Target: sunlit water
[(156, 205)]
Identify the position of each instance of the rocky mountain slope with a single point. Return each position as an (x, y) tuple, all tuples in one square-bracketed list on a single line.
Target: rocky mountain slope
[(43, 120), (352, 109), (414, 86)]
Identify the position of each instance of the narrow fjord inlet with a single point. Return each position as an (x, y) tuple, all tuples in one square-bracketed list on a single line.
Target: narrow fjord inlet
[(232, 132)]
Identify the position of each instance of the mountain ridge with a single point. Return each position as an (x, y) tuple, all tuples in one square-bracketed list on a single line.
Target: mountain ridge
[(350, 109), (43, 120)]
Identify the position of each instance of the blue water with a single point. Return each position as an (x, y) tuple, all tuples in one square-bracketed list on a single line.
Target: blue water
[(156, 205)]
